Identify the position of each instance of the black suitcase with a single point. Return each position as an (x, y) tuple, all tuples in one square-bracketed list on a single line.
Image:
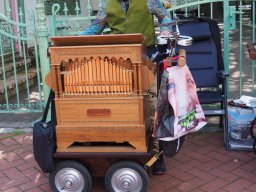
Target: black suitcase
[(44, 138)]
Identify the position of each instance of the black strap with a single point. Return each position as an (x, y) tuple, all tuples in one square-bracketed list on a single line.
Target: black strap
[(49, 101)]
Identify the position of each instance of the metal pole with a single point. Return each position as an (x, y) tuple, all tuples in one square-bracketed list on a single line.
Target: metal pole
[(42, 40), (226, 20)]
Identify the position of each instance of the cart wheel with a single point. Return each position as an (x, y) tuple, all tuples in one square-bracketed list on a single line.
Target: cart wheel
[(70, 176), (126, 176)]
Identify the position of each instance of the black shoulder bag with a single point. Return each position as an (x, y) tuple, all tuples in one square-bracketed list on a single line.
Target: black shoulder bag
[(44, 138)]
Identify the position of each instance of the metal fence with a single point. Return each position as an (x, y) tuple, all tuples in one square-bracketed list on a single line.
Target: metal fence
[(67, 24), (235, 18), (20, 84)]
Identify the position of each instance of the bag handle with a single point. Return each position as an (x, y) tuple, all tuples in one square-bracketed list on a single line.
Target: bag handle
[(49, 101)]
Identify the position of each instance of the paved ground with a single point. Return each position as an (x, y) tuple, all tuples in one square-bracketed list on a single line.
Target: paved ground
[(201, 165)]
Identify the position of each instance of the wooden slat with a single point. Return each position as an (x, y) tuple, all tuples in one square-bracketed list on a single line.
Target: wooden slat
[(99, 80), (86, 74), (122, 70), (83, 76), (90, 76), (79, 77), (111, 81), (103, 78), (72, 79), (107, 75), (118, 79), (99, 149), (125, 74), (130, 77), (114, 71), (94, 75)]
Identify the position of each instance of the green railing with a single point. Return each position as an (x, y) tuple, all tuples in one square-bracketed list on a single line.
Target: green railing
[(6, 42), (67, 24), (236, 19), (19, 66)]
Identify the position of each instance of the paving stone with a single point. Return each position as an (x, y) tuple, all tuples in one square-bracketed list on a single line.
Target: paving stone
[(252, 187), (14, 189), (213, 163), (12, 148), (24, 166), (183, 176), (193, 184), (8, 142), (205, 176), (11, 156), (8, 165), (27, 186), (229, 166), (182, 157), (246, 190), (13, 183), (221, 190), (242, 156), (221, 157), (4, 179), (34, 190), (167, 184), (171, 162), (214, 185), (226, 176), (199, 157), (13, 173), (190, 148), (207, 148), (244, 174), (189, 165), (45, 187), (196, 190), (238, 185)]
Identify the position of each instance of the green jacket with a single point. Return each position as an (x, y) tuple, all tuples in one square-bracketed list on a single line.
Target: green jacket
[(137, 20)]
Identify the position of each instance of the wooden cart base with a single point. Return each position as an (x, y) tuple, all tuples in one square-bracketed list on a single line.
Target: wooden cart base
[(98, 163)]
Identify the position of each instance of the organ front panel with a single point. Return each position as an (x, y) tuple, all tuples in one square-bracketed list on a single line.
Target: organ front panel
[(97, 76)]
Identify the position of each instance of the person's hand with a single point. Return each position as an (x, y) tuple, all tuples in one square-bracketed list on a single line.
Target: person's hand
[(165, 33)]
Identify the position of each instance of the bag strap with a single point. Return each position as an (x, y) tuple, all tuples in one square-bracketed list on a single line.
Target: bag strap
[(49, 101), (53, 111)]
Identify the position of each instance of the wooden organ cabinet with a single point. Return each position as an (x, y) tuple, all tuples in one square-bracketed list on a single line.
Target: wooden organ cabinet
[(100, 84)]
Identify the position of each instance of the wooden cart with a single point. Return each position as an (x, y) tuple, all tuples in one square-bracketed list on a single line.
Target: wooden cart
[(103, 126)]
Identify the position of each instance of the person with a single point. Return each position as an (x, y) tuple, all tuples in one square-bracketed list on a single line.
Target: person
[(134, 16)]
